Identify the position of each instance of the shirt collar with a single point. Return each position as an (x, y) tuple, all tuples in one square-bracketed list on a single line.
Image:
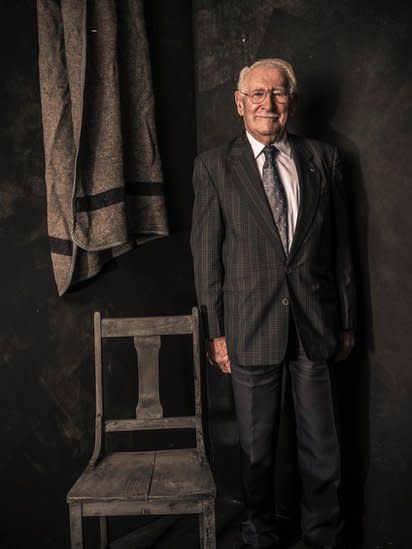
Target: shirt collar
[(283, 145)]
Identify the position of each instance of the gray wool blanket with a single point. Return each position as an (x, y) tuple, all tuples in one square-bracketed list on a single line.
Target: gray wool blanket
[(102, 167)]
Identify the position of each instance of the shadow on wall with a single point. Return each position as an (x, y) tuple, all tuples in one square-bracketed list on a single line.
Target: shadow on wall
[(314, 116)]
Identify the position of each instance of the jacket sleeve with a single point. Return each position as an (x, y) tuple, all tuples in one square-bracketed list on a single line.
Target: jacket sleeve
[(344, 266), (206, 244)]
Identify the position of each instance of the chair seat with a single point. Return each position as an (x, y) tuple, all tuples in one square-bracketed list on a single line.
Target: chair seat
[(154, 475)]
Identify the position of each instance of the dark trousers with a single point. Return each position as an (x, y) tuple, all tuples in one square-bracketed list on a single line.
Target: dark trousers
[(257, 396)]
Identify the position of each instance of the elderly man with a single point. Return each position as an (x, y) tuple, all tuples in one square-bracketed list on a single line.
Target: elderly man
[(275, 287)]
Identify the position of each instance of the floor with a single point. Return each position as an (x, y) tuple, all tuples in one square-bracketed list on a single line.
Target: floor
[(182, 532)]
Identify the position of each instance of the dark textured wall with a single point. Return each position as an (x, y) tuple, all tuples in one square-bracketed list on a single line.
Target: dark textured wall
[(353, 62), (47, 378)]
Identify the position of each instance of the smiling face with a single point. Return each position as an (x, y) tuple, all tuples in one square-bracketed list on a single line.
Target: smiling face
[(266, 121)]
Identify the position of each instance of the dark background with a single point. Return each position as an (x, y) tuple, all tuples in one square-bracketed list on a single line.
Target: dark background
[(353, 63)]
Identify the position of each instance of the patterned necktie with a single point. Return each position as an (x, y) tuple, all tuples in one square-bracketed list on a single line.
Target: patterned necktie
[(276, 194)]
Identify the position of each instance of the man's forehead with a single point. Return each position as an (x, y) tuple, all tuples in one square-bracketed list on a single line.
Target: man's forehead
[(265, 76)]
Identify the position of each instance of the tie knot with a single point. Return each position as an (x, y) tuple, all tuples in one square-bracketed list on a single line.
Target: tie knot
[(270, 152)]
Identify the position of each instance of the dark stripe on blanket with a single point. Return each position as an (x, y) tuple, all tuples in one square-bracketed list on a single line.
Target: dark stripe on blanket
[(114, 196), (101, 200), (60, 246)]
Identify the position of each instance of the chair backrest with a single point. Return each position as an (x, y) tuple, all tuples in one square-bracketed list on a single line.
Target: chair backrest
[(146, 333)]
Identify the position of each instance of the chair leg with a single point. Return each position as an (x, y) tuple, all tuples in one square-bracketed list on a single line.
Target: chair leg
[(104, 538), (76, 526), (207, 525)]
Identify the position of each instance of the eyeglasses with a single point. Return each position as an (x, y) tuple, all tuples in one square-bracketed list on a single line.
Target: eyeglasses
[(258, 96)]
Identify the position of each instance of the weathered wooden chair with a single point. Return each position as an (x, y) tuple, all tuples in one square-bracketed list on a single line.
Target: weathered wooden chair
[(158, 482)]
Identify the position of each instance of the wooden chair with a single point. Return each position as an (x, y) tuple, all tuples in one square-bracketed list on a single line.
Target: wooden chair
[(157, 482)]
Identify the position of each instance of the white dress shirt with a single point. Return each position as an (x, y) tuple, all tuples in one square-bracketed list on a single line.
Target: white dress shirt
[(287, 171)]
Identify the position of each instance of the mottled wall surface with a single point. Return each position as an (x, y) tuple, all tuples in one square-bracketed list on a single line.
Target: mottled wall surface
[(46, 345), (353, 62)]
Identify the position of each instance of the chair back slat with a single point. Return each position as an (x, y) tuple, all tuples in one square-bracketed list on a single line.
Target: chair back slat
[(148, 404), (148, 326)]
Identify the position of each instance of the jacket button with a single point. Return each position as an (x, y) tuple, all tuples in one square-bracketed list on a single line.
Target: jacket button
[(288, 270), (285, 301)]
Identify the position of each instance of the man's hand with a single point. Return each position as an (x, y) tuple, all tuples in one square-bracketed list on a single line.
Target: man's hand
[(216, 352), (347, 342)]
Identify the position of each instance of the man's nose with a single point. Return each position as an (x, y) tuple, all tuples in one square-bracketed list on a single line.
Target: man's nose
[(269, 102)]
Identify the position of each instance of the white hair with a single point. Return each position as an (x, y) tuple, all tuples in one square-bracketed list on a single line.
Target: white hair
[(273, 63)]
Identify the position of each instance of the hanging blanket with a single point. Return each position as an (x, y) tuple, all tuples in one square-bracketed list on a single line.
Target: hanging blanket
[(102, 167)]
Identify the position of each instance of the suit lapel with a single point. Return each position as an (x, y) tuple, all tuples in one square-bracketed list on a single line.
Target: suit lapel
[(309, 181), (250, 186)]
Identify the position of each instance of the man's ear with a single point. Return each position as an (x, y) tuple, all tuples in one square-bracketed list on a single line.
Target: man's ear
[(239, 103)]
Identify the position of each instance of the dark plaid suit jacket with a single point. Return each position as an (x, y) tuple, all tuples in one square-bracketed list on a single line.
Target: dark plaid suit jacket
[(246, 286)]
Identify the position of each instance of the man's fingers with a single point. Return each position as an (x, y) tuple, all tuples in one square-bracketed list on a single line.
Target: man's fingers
[(343, 353), (346, 344), (225, 367)]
